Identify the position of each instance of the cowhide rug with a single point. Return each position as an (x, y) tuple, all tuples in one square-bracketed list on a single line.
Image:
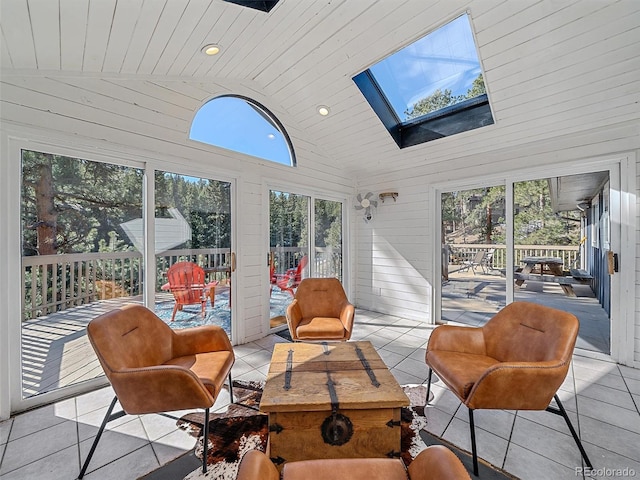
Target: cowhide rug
[(241, 428)]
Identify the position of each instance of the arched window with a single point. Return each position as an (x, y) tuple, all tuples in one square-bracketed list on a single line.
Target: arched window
[(243, 125)]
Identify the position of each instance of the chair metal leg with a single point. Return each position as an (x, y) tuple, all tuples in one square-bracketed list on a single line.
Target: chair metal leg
[(205, 441), (230, 389), (428, 386), (562, 412), (107, 418), (474, 450)]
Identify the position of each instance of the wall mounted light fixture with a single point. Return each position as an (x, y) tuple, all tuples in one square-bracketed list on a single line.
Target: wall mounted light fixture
[(384, 195)]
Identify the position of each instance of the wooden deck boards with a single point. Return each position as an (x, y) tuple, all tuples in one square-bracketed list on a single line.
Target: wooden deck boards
[(56, 351)]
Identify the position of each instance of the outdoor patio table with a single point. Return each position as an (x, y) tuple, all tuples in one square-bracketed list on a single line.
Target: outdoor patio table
[(550, 271), (551, 265)]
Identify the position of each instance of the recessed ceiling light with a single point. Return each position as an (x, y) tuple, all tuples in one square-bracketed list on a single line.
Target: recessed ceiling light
[(323, 110), (211, 49)]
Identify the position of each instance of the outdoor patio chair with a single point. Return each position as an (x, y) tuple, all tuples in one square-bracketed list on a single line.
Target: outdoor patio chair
[(320, 311), (476, 261), (487, 261), (289, 281), (436, 462), (187, 284), (155, 369), (516, 361)]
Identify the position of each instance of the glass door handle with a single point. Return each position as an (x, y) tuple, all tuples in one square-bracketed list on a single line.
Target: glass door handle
[(233, 261)]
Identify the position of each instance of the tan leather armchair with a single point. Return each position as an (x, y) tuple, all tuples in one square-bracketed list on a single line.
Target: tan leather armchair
[(433, 463), (516, 361), (320, 311), (154, 369)]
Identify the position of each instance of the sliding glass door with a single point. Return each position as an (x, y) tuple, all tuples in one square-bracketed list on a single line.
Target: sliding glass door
[(473, 264), (288, 255), (84, 241), (551, 240), (561, 238), (294, 220), (193, 226), (78, 261)]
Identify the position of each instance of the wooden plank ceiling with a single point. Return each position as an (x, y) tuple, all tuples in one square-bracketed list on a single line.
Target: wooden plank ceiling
[(551, 68)]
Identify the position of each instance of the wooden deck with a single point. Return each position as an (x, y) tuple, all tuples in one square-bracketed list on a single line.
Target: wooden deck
[(56, 351)]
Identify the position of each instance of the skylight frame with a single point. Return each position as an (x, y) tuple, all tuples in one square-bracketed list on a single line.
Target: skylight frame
[(260, 5), (460, 117)]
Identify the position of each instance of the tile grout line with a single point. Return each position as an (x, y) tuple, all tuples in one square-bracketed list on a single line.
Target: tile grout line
[(4, 450), (77, 420), (506, 453), (628, 389), (575, 395)]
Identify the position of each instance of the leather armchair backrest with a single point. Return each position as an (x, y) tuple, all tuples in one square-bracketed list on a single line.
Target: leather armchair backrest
[(528, 332), (321, 297), (130, 337)]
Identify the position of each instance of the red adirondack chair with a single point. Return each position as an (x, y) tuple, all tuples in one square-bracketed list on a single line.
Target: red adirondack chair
[(290, 280), (187, 284)]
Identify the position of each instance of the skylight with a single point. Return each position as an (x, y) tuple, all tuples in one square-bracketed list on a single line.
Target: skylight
[(263, 5), (431, 88), (242, 125)]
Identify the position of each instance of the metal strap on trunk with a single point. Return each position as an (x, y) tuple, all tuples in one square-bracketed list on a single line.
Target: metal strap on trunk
[(333, 395), (287, 373), (367, 367)]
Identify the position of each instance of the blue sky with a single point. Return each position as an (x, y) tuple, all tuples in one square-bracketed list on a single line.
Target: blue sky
[(231, 123), (446, 58)]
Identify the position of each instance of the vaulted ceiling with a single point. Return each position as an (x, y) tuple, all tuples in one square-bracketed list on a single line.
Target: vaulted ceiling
[(551, 68)]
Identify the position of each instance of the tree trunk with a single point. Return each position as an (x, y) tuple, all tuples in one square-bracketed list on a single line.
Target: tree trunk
[(47, 217), (489, 226)]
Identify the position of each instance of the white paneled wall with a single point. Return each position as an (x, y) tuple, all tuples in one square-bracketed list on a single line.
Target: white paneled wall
[(393, 257)]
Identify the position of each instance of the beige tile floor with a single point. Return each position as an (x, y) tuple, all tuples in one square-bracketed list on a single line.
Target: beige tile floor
[(602, 399)]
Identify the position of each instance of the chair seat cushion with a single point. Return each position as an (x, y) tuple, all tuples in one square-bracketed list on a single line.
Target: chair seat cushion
[(460, 371), (341, 468), (211, 368), (320, 328)]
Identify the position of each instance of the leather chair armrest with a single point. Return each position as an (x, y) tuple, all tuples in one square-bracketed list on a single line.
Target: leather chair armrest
[(256, 465), (203, 339), (455, 338), (437, 462), (159, 388), (294, 317), (347, 314), (518, 386)]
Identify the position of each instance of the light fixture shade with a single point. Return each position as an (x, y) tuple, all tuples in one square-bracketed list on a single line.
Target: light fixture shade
[(323, 110), (211, 49)]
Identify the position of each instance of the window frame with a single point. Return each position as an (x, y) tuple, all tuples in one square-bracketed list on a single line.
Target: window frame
[(457, 118), (262, 111)]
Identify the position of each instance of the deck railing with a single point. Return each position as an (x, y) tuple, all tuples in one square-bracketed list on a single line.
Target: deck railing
[(466, 251), (52, 283)]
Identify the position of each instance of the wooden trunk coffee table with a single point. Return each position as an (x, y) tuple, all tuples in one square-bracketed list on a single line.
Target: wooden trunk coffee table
[(331, 400)]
